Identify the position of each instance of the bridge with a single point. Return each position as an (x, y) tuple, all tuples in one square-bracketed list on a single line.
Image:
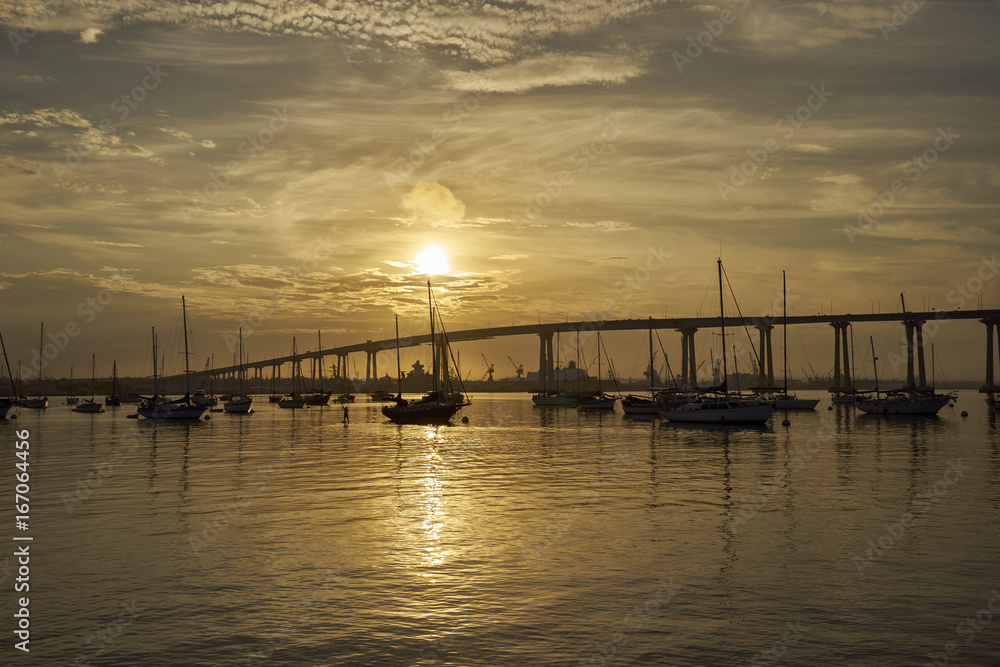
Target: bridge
[(914, 323)]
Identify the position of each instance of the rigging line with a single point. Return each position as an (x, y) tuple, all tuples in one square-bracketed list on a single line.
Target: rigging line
[(742, 320), (670, 372)]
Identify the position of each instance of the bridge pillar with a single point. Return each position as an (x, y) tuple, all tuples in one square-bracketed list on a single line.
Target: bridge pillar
[(847, 356), (910, 382), (765, 364), (689, 365), (544, 360), (840, 342), (990, 325), (921, 370)]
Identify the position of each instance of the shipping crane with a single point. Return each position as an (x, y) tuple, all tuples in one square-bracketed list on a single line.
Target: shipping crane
[(489, 369), (518, 368)]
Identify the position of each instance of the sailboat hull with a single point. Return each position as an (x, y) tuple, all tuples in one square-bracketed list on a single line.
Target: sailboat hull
[(238, 405), (903, 405), (174, 410), (89, 406), (719, 413), (792, 403), (430, 412), (638, 405), (5, 407), (604, 403)]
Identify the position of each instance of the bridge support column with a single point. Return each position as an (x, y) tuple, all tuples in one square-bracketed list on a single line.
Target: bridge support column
[(841, 379), (990, 325), (910, 382), (689, 365), (765, 364), (544, 360), (921, 370)]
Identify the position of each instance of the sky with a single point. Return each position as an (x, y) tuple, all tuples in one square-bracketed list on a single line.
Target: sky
[(284, 164)]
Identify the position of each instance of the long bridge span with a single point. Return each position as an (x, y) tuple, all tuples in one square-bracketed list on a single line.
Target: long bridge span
[(914, 323)]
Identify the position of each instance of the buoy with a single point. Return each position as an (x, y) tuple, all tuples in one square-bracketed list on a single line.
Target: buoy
[(13, 416), (465, 420), (785, 422), (207, 417), (964, 413), (829, 407), (250, 411), (134, 415)]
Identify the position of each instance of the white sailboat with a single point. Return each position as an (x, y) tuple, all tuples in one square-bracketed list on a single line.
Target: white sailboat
[(158, 408), (89, 404), (720, 408), (239, 403)]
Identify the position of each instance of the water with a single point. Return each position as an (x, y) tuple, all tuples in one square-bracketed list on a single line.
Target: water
[(526, 537)]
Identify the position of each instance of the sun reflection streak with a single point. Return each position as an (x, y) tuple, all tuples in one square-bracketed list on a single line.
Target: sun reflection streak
[(433, 505)]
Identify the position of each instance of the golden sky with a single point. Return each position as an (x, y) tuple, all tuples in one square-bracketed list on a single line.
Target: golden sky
[(287, 162)]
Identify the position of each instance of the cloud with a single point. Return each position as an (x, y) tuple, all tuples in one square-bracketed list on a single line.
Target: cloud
[(509, 257), (839, 179), (46, 118), (605, 225), (89, 35), (117, 245), (550, 70), (433, 204), (809, 148)]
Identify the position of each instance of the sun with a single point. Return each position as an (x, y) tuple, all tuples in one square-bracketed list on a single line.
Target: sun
[(431, 261)]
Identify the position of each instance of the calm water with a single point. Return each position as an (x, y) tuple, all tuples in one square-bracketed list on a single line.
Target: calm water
[(526, 537)]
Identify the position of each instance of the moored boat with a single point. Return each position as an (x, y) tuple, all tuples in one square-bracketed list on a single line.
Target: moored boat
[(158, 408), (239, 403), (90, 405)]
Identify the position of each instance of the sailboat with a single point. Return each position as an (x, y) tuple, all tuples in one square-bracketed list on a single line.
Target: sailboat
[(293, 400), (784, 400), (642, 405), (239, 403), (71, 399), (599, 400), (161, 409), (89, 404), (114, 398), (908, 401), (319, 397), (441, 404), (7, 402), (721, 407), (39, 402)]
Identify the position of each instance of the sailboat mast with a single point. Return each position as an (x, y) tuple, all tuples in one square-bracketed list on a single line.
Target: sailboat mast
[(93, 377), (187, 372), (874, 365), (399, 367), (784, 330), (155, 386), (598, 363), (241, 361), (7, 363), (41, 345), (722, 319), (434, 350), (319, 345), (652, 384)]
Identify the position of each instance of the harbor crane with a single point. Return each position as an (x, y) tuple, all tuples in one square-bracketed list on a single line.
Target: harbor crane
[(518, 368), (489, 369)]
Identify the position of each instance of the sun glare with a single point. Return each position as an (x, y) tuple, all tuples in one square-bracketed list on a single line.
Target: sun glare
[(432, 261)]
